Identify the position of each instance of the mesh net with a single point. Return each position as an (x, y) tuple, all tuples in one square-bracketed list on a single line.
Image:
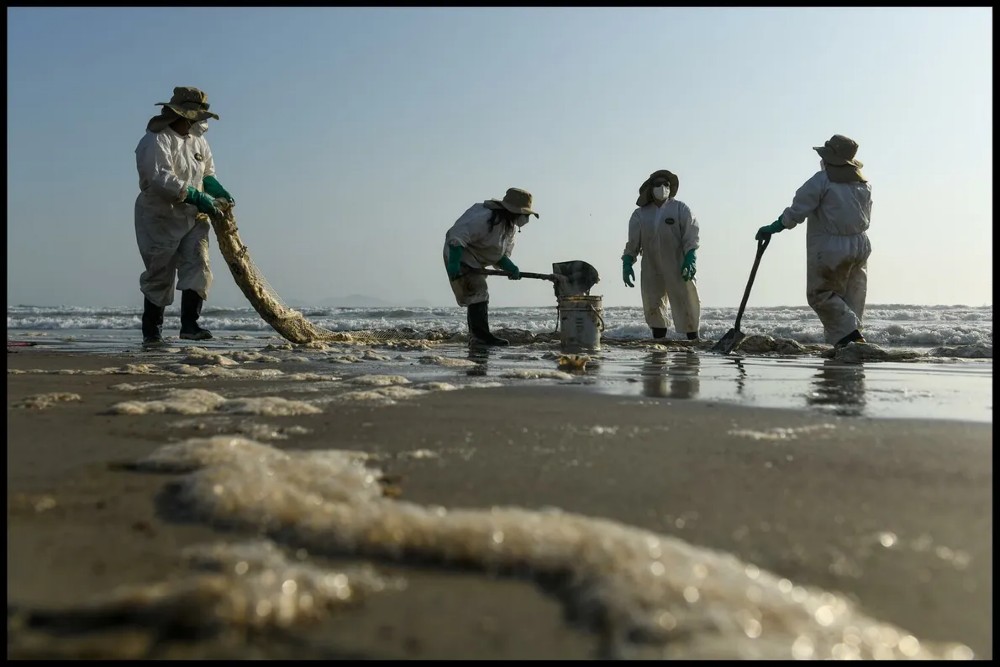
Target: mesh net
[(290, 323)]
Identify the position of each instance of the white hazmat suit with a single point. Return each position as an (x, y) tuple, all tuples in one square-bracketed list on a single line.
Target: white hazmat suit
[(837, 249), (172, 235), (662, 234)]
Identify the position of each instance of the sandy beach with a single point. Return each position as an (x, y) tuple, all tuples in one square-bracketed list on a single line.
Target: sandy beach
[(895, 515)]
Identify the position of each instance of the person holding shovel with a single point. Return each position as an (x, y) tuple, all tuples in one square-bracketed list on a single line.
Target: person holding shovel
[(177, 193), (665, 232), (484, 236), (837, 202)]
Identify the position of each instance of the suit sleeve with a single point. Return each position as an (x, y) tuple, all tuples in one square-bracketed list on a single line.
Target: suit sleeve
[(806, 200), (689, 230), (634, 245)]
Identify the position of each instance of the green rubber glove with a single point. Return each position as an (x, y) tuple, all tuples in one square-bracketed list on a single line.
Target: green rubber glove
[(215, 189), (202, 201), (688, 268), (628, 274), (510, 267), (454, 262), (767, 230)]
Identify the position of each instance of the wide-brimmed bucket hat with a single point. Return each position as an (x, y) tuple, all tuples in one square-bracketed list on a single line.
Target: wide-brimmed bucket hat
[(516, 201), (658, 177), (189, 102), (839, 150)]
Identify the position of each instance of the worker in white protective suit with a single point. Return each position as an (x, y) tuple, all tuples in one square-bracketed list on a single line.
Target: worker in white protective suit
[(665, 232), (484, 236), (837, 202), (177, 193)]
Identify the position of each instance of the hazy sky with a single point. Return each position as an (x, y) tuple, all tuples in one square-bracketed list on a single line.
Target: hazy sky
[(352, 138)]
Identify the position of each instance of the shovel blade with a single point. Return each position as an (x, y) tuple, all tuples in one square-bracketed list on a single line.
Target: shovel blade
[(728, 342), (574, 278)]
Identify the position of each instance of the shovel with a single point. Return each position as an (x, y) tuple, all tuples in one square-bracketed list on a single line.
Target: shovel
[(570, 278), (734, 336)]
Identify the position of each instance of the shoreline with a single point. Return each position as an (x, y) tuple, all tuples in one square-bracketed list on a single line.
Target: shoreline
[(811, 508)]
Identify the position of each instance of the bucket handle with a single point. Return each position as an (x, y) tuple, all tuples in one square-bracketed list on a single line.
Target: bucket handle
[(599, 318)]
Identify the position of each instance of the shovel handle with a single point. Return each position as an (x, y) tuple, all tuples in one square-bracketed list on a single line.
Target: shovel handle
[(524, 274), (761, 246)]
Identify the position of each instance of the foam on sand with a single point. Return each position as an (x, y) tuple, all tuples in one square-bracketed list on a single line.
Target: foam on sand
[(251, 356), (380, 380), (536, 374), (135, 386), (779, 433), (224, 371), (254, 430), (249, 587), (447, 362), (649, 595), (42, 401), (201, 357), (381, 395), (200, 401)]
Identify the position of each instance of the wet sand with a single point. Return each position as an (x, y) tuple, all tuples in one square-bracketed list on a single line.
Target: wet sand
[(806, 508)]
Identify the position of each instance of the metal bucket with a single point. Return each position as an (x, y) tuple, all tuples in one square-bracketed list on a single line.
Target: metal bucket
[(581, 322)]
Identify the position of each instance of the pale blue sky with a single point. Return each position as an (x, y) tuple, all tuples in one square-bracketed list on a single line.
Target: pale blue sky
[(352, 138)]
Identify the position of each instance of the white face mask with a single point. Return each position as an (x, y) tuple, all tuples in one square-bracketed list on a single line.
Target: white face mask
[(822, 164), (199, 128), (660, 192), (521, 220)]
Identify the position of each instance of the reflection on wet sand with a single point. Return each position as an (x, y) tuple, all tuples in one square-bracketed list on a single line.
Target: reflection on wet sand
[(839, 386), (741, 374), (664, 376), (479, 355)]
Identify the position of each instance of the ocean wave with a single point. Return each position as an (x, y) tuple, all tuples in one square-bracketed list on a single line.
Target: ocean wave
[(893, 325)]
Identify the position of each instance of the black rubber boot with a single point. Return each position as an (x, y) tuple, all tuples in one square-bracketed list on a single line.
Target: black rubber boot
[(853, 337), (479, 326), (692, 335), (190, 312), (152, 323), (659, 333)]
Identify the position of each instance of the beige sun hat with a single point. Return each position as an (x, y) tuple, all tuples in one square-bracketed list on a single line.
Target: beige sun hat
[(839, 150), (658, 177), (516, 201), (189, 102)]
